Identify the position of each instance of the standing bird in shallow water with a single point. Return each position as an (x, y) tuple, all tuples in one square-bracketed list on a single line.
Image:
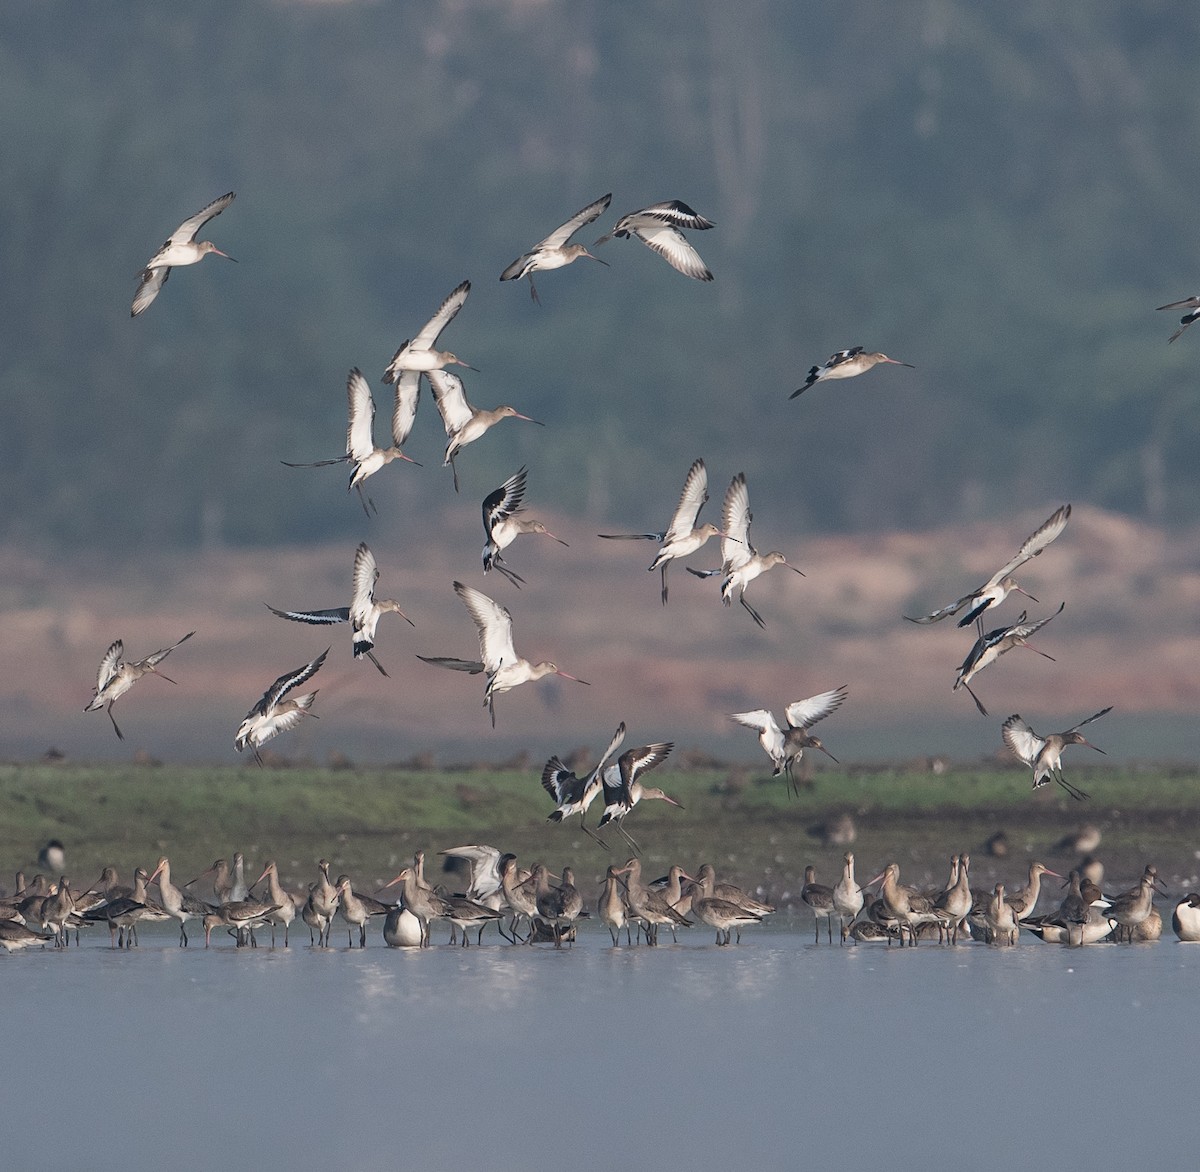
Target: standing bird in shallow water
[(683, 536), (1044, 754), (988, 648), (742, 563), (363, 613), (273, 714), (657, 227), (786, 748), (997, 588), (505, 669), (181, 248), (846, 364), (116, 677), (1192, 305), (502, 525), (554, 252)]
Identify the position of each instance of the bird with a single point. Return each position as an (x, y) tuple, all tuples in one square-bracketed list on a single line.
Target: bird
[(1002, 921), (116, 677), (273, 714), (363, 613), (53, 856), (846, 364), (502, 524), (623, 788), (360, 439), (464, 424), (558, 906), (682, 536), (416, 356), (177, 902), (1044, 754), (1185, 919), (181, 248), (1192, 305), (1132, 907), (612, 908), (988, 648), (997, 588), (573, 795), (504, 668), (786, 748), (819, 897), (741, 562), (847, 895), (282, 901), (554, 252), (658, 228)]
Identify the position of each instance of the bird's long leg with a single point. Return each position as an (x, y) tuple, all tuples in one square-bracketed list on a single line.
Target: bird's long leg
[(367, 503), (1073, 790), (454, 469), (108, 709), (511, 575), (753, 613), (978, 705), (665, 567), (590, 833), (1036, 651), (258, 757), (533, 290), (637, 850), (371, 657)]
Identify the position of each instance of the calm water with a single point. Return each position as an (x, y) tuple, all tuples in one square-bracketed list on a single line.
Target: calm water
[(774, 1054)]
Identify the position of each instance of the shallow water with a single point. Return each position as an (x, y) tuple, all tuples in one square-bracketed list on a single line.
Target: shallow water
[(771, 1054)]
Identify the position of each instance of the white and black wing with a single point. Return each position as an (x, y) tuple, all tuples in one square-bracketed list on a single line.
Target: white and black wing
[(1021, 740), (691, 501), (1031, 546), (806, 713), (440, 320), (191, 226), (451, 399), (109, 665)]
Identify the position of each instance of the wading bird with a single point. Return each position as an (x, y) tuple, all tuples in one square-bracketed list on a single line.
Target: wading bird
[(360, 439), (116, 677), (181, 248), (363, 613), (554, 252), (785, 748), (502, 524), (1192, 305), (623, 788), (464, 424), (273, 714), (1044, 754), (658, 228), (574, 794), (846, 364), (683, 536), (988, 648), (504, 668), (741, 562), (997, 588)]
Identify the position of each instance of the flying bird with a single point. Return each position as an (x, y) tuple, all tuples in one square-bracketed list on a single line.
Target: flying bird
[(417, 356), (554, 252), (658, 228), (683, 536), (116, 677), (273, 714), (623, 788), (360, 439), (181, 248), (988, 648), (502, 524), (1044, 754), (997, 588), (573, 795), (1192, 305), (742, 563), (786, 747), (846, 364), (504, 668), (363, 613), (464, 424)]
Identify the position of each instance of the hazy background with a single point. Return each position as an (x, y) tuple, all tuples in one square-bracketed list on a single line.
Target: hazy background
[(999, 195)]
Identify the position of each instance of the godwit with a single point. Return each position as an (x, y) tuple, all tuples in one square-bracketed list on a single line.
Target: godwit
[(1001, 919), (846, 364), (623, 789), (650, 907), (53, 855), (361, 451), (786, 748), (683, 536), (557, 906), (181, 248), (241, 916), (612, 908), (321, 905), (464, 424), (998, 587), (847, 895), (955, 902), (554, 252), (819, 897), (282, 901), (574, 794), (518, 891), (14, 936), (124, 913), (484, 863), (502, 524), (425, 905), (273, 714), (1131, 908), (1185, 919), (1044, 754), (707, 878), (116, 677), (176, 901), (722, 914), (741, 562), (907, 906), (464, 913), (363, 613), (357, 910), (57, 910), (1192, 305), (657, 227), (988, 648), (504, 668), (417, 356)]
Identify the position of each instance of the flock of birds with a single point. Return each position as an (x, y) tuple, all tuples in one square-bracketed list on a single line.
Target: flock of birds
[(531, 906)]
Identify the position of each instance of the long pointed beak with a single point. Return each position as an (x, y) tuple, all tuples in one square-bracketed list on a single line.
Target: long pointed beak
[(897, 362), (391, 883), (1096, 747), (402, 456), (575, 678), (795, 570), (460, 362), (1041, 653), (1022, 590), (596, 258), (556, 538), (518, 415), (674, 803), (828, 754), (225, 255)]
